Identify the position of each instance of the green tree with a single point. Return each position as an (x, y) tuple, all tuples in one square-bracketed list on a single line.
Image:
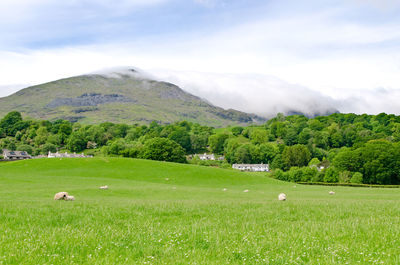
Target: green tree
[(278, 162), (267, 153), (216, 142), (236, 131), (296, 155), (199, 142), (245, 154), (259, 136), (163, 149), (182, 137), (48, 147), (11, 123), (25, 147), (76, 142), (331, 175)]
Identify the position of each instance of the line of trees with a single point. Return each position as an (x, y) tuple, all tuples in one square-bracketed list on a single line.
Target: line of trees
[(335, 148)]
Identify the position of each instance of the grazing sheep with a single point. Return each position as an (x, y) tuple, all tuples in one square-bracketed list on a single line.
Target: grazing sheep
[(246, 191), (224, 189), (70, 198), (61, 195), (282, 197), (104, 187), (166, 179), (331, 193)]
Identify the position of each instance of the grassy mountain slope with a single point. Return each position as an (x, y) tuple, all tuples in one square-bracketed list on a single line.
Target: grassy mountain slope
[(127, 98), (166, 213)]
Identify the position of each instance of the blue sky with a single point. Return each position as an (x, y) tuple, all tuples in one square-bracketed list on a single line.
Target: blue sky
[(341, 51)]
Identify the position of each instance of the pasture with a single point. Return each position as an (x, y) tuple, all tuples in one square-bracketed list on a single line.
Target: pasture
[(166, 213)]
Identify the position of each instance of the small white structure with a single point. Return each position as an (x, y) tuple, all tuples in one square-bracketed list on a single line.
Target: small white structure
[(67, 155), (251, 167), (206, 156), (282, 197), (331, 193)]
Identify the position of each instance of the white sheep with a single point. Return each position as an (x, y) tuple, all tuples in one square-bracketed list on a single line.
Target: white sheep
[(331, 193), (104, 187), (224, 189), (246, 191), (61, 195), (282, 197), (70, 198)]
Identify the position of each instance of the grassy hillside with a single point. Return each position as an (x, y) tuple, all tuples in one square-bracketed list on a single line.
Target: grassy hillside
[(121, 98), (146, 219)]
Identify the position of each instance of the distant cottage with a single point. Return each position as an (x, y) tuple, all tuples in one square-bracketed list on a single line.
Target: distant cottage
[(209, 157), (66, 155), (251, 167), (15, 155)]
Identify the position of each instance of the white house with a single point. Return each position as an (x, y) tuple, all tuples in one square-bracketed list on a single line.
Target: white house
[(251, 167), (67, 155), (206, 156)]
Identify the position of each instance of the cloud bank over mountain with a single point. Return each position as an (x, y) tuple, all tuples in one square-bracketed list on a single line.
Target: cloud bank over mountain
[(268, 95)]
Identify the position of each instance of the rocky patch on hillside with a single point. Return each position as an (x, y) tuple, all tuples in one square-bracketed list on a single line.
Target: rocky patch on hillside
[(88, 99)]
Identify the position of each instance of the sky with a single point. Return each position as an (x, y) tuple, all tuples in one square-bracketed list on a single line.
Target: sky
[(260, 56)]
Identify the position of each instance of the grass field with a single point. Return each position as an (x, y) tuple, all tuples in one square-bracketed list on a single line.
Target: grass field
[(145, 219)]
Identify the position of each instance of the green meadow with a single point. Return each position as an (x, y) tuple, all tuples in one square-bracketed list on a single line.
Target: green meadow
[(166, 213)]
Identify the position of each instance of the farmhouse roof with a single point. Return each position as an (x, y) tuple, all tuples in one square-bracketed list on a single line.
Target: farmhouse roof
[(15, 154)]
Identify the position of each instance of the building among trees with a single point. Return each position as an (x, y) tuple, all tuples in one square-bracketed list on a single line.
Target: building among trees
[(251, 167), (15, 155)]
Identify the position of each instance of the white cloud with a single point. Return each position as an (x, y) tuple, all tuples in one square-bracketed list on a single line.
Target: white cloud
[(260, 94)]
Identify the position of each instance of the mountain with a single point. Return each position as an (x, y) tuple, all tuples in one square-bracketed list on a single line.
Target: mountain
[(121, 97)]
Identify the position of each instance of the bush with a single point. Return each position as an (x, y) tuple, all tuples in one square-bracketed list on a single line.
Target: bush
[(344, 176), (331, 176), (357, 178), (308, 173), (279, 174), (319, 177), (49, 147), (295, 174)]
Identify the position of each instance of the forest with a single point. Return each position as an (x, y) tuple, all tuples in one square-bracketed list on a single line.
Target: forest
[(340, 148)]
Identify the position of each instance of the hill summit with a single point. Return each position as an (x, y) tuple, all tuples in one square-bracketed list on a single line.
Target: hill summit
[(123, 96)]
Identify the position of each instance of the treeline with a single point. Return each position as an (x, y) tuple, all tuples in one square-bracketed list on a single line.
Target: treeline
[(336, 148)]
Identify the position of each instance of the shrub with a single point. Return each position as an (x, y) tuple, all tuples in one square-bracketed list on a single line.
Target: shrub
[(344, 176), (279, 174), (357, 178), (331, 176)]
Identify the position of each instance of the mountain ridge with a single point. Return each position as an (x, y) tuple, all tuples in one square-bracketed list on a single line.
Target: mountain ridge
[(121, 97)]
